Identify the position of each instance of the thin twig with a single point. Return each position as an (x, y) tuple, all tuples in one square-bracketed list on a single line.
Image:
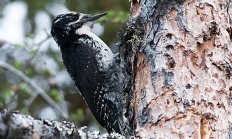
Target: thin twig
[(35, 51), (63, 102), (30, 100), (36, 87)]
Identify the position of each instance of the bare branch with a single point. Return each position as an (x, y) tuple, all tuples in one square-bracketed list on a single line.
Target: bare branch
[(17, 125), (38, 89)]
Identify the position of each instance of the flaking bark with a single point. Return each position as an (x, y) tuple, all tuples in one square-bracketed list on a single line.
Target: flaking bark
[(181, 75)]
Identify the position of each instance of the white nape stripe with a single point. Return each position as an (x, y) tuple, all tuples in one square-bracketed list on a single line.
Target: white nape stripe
[(57, 20)]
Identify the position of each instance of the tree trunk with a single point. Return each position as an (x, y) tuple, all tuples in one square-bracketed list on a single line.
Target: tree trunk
[(180, 54)]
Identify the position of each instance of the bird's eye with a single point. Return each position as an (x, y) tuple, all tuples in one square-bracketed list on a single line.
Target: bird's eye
[(73, 18)]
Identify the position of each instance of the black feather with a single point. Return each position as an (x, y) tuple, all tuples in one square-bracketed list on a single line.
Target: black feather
[(82, 57)]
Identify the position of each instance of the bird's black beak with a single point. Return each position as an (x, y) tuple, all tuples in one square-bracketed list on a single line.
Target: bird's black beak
[(90, 18)]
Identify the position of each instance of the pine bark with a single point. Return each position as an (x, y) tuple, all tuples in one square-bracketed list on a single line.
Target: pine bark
[(178, 61), (181, 68)]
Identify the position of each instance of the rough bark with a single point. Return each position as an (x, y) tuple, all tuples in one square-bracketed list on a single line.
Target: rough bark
[(14, 125), (180, 53)]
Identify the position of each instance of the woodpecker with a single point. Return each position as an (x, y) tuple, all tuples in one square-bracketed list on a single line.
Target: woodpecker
[(92, 66)]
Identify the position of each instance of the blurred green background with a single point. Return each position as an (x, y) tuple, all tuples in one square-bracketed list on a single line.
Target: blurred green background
[(26, 47)]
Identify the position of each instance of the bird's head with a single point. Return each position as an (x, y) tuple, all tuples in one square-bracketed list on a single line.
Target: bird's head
[(68, 24)]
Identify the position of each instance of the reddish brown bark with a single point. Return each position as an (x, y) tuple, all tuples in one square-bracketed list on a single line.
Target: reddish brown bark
[(182, 77)]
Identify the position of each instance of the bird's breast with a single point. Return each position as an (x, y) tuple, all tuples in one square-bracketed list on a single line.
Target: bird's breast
[(103, 53)]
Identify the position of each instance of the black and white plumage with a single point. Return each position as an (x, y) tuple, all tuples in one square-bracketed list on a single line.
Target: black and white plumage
[(92, 66)]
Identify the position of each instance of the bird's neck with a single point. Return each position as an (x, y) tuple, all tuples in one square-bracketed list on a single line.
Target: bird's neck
[(103, 53), (85, 30)]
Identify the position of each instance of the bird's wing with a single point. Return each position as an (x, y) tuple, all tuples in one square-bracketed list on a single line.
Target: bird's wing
[(88, 78)]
